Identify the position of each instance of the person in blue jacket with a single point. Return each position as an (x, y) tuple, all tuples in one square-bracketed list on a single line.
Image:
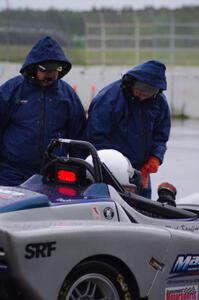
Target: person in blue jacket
[(132, 115), (35, 107)]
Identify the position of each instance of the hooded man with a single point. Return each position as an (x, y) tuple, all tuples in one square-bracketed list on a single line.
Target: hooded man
[(36, 107), (131, 115)]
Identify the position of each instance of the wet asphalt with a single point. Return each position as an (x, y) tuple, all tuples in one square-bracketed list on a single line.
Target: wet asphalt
[(181, 162)]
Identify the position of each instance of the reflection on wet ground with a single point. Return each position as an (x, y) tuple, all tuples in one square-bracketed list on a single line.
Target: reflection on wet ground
[(181, 163)]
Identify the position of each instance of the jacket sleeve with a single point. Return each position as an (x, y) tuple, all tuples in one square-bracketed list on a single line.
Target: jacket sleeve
[(100, 121), (161, 130), (6, 96)]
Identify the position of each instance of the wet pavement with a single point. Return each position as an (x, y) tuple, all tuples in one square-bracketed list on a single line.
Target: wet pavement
[(181, 163)]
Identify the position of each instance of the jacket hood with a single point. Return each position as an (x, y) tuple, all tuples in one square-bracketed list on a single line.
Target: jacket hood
[(151, 72), (44, 50)]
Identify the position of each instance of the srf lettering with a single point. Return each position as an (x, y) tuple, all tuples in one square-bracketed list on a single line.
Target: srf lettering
[(37, 250)]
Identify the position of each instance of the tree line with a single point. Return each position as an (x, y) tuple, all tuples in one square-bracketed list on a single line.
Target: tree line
[(25, 26)]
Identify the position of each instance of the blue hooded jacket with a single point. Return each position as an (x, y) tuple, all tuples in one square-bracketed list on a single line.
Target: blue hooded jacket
[(31, 115), (138, 129)]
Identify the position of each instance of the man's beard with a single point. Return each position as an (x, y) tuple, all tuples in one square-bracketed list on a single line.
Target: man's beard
[(47, 81)]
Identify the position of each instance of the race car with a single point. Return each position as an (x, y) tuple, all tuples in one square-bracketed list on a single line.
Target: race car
[(65, 235)]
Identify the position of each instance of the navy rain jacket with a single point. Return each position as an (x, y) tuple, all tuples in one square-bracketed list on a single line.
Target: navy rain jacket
[(136, 129), (30, 116)]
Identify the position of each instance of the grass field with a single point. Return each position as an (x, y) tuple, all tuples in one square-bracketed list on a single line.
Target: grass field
[(17, 53)]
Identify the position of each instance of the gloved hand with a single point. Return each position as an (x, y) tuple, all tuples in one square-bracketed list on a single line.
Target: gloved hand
[(151, 166)]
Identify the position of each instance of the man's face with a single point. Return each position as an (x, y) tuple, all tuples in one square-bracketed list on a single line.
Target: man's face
[(46, 78), (142, 95), (143, 91)]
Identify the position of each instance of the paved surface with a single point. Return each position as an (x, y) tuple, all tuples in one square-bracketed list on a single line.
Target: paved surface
[(181, 164)]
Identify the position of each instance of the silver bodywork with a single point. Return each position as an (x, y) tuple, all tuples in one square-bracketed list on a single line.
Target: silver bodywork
[(70, 234)]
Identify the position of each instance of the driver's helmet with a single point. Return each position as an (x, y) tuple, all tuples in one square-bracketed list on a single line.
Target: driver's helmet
[(118, 164)]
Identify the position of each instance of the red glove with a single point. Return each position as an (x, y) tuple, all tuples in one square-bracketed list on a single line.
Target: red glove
[(151, 166)]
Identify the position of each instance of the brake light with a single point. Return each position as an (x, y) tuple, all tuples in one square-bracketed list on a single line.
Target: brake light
[(67, 191), (66, 176)]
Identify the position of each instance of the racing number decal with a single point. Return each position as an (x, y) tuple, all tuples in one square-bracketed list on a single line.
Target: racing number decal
[(36, 250)]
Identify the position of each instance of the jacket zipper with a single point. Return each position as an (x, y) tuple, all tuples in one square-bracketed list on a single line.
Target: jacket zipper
[(42, 124)]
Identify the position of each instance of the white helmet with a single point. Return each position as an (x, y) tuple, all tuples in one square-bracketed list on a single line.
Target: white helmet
[(117, 163)]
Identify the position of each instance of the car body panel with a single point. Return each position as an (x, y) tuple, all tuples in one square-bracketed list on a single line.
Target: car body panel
[(47, 229), (77, 241)]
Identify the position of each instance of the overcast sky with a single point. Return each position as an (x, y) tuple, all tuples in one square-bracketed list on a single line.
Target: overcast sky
[(88, 4)]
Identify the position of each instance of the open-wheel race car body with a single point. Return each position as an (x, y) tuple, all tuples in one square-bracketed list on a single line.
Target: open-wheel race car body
[(65, 237)]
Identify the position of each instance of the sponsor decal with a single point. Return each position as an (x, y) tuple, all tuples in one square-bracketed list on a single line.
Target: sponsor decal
[(182, 281), (108, 213), (37, 250), (188, 264), (156, 264), (96, 213), (182, 293), (184, 227)]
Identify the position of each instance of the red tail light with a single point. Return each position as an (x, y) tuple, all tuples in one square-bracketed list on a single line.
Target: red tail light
[(66, 176), (67, 191), (70, 174)]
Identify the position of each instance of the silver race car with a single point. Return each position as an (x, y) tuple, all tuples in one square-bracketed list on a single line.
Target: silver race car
[(74, 233)]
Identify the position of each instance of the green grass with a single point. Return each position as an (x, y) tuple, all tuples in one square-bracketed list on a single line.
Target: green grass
[(190, 58), (13, 53), (79, 56)]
